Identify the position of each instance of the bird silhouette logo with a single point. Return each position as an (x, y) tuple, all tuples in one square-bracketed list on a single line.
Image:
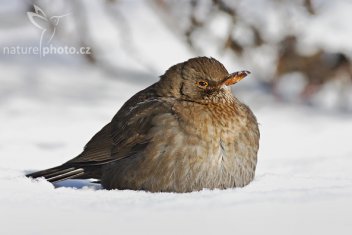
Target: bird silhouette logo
[(46, 24)]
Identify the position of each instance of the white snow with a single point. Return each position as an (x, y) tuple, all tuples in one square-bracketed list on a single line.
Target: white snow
[(51, 107)]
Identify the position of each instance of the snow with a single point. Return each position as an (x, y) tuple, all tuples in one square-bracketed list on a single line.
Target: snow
[(50, 108)]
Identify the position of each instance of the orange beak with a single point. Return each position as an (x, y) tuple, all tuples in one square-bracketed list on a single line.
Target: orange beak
[(235, 77)]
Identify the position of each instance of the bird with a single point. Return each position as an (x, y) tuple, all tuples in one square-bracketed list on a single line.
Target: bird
[(187, 132)]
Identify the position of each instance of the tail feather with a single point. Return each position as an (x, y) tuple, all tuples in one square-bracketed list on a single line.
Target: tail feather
[(59, 173), (68, 175)]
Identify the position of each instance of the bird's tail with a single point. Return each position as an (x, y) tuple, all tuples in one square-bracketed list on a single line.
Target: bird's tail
[(60, 173)]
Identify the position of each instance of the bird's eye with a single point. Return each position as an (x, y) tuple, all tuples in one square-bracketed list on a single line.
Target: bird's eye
[(202, 84)]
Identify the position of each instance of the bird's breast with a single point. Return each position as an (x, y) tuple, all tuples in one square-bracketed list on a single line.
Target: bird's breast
[(219, 152)]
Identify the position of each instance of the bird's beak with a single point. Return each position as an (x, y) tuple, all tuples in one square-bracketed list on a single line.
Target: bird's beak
[(235, 77)]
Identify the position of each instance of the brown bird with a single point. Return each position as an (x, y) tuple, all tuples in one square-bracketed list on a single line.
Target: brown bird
[(184, 133)]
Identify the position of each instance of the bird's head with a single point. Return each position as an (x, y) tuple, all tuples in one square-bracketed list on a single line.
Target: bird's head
[(199, 79)]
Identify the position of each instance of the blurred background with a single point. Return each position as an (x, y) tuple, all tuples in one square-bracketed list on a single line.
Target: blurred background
[(298, 51)]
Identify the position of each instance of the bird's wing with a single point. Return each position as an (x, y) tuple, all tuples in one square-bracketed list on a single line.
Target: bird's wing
[(130, 131), (124, 136), (126, 133)]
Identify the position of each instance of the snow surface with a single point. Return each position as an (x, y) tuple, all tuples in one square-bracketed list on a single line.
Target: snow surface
[(51, 107)]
